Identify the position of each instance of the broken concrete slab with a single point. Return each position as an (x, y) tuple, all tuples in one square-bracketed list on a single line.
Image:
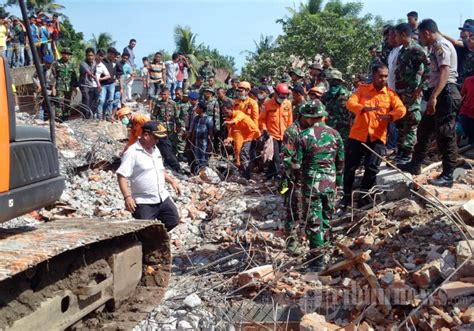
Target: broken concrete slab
[(459, 192), (457, 289), (316, 322), (428, 274), (397, 183), (467, 212), (409, 209)]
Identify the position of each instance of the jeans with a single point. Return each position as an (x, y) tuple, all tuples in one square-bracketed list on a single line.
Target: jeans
[(166, 212), (171, 86), (17, 57), (106, 97)]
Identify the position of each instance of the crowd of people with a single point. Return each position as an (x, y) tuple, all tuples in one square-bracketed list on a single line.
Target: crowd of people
[(14, 39), (308, 131)]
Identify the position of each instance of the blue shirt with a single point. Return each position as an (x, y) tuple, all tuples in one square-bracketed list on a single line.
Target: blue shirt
[(44, 34), (34, 33), (200, 128)]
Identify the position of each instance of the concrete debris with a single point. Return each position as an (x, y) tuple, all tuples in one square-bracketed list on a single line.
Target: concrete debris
[(229, 250), (467, 212)]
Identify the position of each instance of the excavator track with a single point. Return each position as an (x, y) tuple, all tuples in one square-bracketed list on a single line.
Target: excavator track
[(82, 273)]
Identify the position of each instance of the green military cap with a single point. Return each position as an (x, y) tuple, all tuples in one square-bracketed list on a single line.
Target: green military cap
[(66, 50), (297, 71), (185, 93), (335, 74), (208, 88), (285, 78), (314, 108)]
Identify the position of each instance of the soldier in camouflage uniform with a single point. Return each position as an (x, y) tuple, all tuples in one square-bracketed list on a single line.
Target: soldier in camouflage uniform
[(167, 112), (207, 70), (182, 106), (293, 196), (318, 164), (213, 111), (375, 59), (197, 86), (66, 81), (410, 80), (297, 76), (335, 100), (233, 92)]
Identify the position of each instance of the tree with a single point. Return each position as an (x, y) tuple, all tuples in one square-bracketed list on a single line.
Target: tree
[(3, 12), (185, 40), (103, 41), (72, 39), (48, 6), (337, 31)]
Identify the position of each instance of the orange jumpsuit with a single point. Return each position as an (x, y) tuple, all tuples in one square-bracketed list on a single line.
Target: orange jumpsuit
[(276, 118), (248, 107), (241, 128)]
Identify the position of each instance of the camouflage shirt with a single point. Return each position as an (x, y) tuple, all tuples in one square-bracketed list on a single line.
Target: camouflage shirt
[(411, 73), (207, 71), (335, 100), (167, 113), (288, 145), (182, 109), (65, 75), (318, 160), (213, 111), (232, 93), (467, 67)]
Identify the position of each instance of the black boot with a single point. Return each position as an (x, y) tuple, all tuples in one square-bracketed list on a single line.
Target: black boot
[(342, 205), (317, 262), (403, 157), (445, 179), (411, 167)]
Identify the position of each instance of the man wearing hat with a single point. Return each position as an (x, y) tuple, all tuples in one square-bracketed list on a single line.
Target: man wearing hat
[(296, 77), (213, 111), (66, 82), (50, 83), (335, 100), (134, 122), (182, 105), (299, 99), (461, 46), (142, 168), (245, 104), (317, 166), (316, 78), (207, 70)]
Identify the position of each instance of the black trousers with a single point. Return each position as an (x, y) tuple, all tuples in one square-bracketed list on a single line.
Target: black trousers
[(90, 96), (165, 212), (169, 158), (442, 124), (354, 153), (274, 167)]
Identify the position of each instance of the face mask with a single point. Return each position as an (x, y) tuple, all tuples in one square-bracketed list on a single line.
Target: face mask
[(280, 100), (260, 97), (243, 97), (125, 121)]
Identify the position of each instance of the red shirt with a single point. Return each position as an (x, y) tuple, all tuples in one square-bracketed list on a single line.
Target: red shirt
[(467, 91)]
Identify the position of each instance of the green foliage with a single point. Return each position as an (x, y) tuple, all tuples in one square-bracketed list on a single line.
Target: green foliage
[(217, 60), (338, 31), (185, 40), (103, 41), (47, 6), (72, 39), (3, 12)]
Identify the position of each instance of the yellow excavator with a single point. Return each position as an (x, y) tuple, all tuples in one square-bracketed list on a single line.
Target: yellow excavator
[(55, 275)]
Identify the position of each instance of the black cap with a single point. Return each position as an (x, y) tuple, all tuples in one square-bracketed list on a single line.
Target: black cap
[(299, 89), (228, 104), (254, 91), (156, 128), (202, 104), (264, 88)]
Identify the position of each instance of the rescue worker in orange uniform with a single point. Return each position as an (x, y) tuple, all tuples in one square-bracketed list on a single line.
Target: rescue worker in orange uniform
[(246, 104), (374, 105), (242, 132), (134, 122), (276, 117)]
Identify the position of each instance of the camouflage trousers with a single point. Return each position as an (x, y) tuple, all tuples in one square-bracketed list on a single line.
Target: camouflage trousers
[(319, 210), (62, 104), (407, 127), (294, 206), (178, 142)]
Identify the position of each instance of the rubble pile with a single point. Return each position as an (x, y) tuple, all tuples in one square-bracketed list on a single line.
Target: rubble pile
[(405, 263)]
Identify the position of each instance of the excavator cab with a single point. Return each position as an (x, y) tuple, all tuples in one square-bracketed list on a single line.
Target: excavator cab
[(29, 166)]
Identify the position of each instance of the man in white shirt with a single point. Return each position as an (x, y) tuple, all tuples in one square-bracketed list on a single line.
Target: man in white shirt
[(142, 166), (172, 68), (392, 57)]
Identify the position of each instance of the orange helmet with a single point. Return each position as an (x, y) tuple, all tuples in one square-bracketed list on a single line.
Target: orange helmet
[(245, 85), (124, 111), (282, 88), (316, 90)]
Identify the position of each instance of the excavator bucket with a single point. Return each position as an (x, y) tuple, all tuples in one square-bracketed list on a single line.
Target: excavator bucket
[(56, 274)]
